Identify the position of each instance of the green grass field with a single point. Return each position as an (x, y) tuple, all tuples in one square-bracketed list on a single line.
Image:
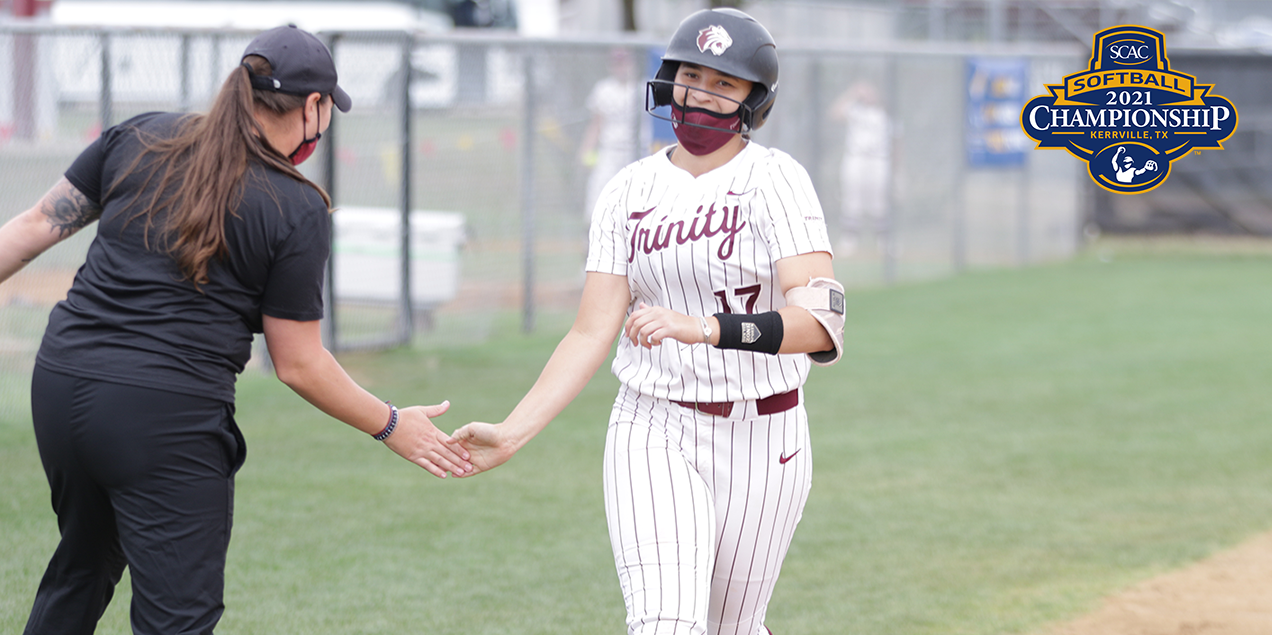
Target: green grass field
[(997, 451)]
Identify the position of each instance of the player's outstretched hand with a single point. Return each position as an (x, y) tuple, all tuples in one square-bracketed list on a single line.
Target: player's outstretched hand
[(417, 440), (648, 326), (486, 444)]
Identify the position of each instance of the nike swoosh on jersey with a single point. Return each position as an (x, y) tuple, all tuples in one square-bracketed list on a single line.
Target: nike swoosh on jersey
[(742, 193), (784, 458)]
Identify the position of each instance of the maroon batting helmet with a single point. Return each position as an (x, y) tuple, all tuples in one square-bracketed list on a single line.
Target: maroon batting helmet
[(728, 41)]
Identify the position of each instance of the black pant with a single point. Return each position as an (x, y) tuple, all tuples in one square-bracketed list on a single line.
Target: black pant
[(139, 477)]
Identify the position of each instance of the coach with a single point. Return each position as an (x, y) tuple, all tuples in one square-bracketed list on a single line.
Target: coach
[(207, 234)]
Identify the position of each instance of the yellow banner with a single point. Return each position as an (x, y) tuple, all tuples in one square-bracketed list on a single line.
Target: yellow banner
[(1177, 83)]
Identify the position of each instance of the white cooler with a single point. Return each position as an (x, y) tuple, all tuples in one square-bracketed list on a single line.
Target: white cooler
[(367, 255)]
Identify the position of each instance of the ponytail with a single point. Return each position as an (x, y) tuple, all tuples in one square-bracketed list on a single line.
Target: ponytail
[(201, 169)]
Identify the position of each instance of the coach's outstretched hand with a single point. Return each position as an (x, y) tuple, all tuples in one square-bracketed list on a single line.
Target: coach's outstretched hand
[(487, 444), (417, 440)]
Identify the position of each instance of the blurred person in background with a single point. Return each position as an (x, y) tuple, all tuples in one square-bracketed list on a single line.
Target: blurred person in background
[(609, 142), (865, 173), (207, 234), (712, 261)]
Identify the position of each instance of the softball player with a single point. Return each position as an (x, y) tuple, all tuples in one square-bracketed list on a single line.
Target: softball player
[(713, 259)]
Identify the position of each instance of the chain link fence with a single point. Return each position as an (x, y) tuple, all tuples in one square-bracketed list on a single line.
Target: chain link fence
[(487, 143)]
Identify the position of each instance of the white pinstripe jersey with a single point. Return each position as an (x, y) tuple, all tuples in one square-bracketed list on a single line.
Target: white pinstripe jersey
[(703, 246)]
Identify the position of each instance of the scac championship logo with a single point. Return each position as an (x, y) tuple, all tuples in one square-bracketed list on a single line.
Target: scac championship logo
[(1129, 116)]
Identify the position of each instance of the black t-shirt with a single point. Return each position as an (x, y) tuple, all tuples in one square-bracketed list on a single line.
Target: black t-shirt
[(131, 318)]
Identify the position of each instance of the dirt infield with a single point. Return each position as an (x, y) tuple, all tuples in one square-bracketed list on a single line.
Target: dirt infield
[(1229, 593)]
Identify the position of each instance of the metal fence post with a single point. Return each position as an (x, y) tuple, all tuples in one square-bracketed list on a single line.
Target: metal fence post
[(184, 73), (814, 132), (958, 229), (331, 333), (214, 78), (958, 246), (527, 197), (26, 63), (406, 324), (106, 98), (891, 221), (1023, 217)]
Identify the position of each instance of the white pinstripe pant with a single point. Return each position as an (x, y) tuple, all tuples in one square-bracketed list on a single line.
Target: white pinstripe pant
[(701, 511)]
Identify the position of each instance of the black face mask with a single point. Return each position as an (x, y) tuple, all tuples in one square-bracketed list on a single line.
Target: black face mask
[(306, 147)]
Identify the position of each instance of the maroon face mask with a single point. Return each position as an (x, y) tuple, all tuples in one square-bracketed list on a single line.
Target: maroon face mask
[(306, 147), (700, 141)]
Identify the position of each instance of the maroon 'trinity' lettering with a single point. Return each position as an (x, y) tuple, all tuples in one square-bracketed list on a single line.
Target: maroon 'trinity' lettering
[(659, 237)]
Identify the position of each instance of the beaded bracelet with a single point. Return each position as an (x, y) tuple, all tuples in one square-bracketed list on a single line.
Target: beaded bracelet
[(390, 426)]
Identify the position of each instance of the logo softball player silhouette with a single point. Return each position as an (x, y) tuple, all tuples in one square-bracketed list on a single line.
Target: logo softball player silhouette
[(1125, 171), (711, 258)]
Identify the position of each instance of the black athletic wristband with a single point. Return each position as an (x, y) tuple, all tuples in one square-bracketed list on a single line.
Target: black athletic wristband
[(759, 332)]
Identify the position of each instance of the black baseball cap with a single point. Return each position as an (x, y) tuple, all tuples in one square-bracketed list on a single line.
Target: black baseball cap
[(301, 62)]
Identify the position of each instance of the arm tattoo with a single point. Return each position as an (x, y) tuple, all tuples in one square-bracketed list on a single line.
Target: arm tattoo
[(68, 210)]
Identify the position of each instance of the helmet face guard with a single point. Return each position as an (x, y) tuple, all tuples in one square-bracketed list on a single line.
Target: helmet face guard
[(728, 41), (657, 88)]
